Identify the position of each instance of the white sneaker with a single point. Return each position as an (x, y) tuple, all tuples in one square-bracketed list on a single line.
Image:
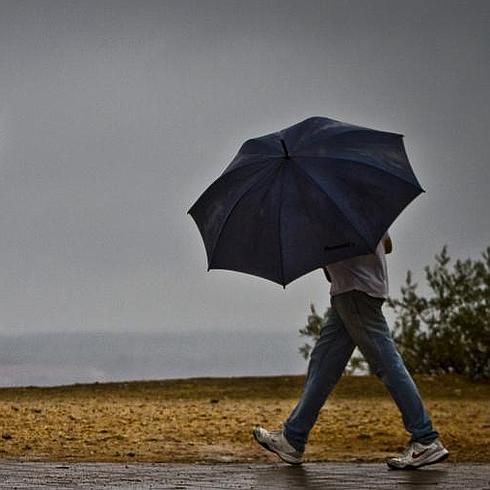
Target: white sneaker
[(276, 442), (418, 454)]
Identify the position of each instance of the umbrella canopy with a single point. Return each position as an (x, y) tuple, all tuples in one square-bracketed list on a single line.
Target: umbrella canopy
[(301, 198)]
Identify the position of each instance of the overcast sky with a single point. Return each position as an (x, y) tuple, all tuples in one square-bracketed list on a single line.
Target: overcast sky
[(116, 115)]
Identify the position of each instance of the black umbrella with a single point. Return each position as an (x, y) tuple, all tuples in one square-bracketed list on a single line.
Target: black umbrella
[(298, 199)]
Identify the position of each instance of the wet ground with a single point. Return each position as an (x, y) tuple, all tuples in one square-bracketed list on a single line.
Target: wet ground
[(38, 475)]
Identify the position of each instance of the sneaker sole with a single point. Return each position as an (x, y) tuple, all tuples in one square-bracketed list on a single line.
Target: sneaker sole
[(413, 467), (284, 458)]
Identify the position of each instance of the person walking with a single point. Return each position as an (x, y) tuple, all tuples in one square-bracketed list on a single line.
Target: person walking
[(359, 287)]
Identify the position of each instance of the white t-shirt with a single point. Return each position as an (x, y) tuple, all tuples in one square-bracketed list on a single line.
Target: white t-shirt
[(367, 273)]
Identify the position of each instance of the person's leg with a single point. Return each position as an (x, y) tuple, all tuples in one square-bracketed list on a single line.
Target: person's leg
[(328, 359), (366, 324)]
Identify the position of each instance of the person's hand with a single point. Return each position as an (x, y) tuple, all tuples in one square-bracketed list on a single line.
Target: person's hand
[(388, 245)]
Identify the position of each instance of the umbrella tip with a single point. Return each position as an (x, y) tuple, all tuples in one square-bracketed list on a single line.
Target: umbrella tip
[(284, 147)]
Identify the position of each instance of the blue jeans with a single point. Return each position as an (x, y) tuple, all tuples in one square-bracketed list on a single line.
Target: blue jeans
[(356, 318)]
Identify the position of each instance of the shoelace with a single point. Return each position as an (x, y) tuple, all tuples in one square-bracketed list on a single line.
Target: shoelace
[(275, 434)]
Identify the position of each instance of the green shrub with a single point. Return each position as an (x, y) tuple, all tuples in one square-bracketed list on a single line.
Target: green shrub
[(448, 331)]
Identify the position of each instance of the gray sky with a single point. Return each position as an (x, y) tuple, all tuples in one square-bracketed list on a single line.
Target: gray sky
[(116, 115)]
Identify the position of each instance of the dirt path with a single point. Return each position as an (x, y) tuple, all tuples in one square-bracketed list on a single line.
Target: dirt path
[(210, 420), (34, 475)]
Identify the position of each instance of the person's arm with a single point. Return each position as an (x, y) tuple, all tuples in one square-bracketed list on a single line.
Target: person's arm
[(388, 245), (327, 275)]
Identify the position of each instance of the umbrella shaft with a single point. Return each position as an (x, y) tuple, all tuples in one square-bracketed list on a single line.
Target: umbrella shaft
[(284, 147)]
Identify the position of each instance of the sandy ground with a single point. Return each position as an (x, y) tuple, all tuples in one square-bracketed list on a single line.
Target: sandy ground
[(210, 420)]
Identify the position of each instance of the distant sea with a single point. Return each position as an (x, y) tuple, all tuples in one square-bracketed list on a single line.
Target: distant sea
[(52, 359)]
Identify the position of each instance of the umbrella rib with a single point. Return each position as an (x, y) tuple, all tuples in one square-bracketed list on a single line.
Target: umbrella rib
[(319, 136), (235, 204), (370, 165), (305, 207), (359, 129), (266, 159), (279, 226), (304, 172)]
